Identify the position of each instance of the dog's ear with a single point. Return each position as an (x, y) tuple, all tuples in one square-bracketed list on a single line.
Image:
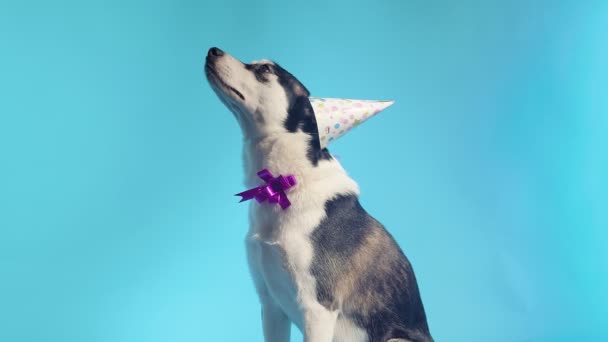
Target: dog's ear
[(300, 90), (301, 115)]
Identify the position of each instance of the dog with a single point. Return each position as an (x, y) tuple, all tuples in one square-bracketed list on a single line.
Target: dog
[(324, 263)]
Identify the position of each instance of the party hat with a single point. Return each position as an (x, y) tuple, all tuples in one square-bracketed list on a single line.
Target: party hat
[(335, 117)]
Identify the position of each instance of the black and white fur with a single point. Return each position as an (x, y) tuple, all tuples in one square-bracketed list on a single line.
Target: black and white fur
[(324, 263)]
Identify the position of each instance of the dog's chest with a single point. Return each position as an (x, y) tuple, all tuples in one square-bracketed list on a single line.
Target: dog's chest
[(280, 254)]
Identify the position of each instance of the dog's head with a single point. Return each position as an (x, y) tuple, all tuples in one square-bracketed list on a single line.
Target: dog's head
[(264, 97)]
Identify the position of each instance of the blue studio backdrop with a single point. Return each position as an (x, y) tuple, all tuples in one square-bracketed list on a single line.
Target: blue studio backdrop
[(118, 164)]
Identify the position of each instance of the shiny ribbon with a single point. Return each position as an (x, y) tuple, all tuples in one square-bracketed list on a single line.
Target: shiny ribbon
[(273, 190)]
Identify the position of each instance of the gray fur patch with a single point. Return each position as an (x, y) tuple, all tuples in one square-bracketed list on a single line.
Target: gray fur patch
[(360, 270)]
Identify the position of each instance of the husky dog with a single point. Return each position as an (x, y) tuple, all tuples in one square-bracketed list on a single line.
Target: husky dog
[(324, 263)]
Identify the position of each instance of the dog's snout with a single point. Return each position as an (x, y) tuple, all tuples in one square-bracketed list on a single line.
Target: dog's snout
[(215, 52)]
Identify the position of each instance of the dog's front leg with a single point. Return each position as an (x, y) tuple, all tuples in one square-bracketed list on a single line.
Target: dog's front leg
[(275, 323), (319, 323), (277, 326)]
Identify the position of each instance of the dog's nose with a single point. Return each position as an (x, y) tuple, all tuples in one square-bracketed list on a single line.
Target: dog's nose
[(215, 52)]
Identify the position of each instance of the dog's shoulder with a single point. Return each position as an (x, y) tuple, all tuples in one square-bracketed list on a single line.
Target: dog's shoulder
[(361, 271), (345, 227), (345, 244)]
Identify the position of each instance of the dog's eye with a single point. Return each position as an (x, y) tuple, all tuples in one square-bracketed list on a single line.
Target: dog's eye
[(264, 68)]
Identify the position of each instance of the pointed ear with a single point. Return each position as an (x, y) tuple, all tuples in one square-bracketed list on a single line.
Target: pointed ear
[(301, 116), (288, 81), (301, 90)]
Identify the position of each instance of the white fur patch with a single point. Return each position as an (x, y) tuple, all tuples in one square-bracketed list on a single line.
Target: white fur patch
[(347, 331), (263, 109)]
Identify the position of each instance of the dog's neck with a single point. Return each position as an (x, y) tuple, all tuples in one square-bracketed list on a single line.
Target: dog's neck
[(286, 153)]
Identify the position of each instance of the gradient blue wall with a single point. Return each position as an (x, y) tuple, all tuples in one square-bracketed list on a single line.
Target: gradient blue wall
[(118, 163)]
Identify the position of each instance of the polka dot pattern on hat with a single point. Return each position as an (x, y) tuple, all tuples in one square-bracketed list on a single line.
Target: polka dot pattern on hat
[(335, 117)]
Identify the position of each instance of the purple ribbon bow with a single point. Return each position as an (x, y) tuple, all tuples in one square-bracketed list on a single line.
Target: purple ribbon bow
[(273, 190)]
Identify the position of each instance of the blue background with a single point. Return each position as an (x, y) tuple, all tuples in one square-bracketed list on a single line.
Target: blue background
[(118, 163)]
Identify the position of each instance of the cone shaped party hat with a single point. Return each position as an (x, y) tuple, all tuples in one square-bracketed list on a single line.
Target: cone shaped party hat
[(335, 117)]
